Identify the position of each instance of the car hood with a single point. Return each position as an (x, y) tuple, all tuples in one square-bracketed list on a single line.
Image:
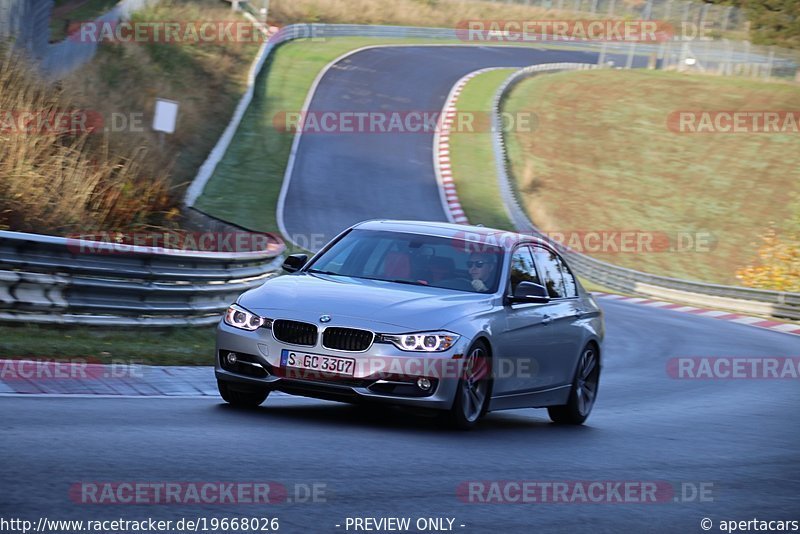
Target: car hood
[(360, 303)]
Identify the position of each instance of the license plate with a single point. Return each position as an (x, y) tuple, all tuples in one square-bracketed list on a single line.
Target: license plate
[(318, 362)]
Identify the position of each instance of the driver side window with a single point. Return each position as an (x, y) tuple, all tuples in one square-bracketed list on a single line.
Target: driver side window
[(523, 268)]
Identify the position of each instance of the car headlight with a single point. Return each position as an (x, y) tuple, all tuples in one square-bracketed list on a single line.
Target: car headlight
[(422, 341), (238, 317)]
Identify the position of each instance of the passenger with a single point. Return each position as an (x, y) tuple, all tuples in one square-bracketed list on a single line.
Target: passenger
[(441, 268)]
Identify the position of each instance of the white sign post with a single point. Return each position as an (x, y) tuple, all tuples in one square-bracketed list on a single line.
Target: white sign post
[(165, 117)]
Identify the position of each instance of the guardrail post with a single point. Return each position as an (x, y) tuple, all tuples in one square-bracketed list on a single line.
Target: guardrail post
[(648, 9), (770, 63), (631, 51), (667, 10), (726, 18)]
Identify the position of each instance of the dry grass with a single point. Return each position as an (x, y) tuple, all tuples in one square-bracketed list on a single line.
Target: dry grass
[(207, 80), (67, 179), (123, 180)]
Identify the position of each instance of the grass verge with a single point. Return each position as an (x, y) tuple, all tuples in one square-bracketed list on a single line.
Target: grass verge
[(603, 159), (472, 161), (472, 155), (173, 346)]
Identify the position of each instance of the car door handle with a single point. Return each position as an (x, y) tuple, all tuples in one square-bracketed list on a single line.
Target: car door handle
[(580, 313), (546, 319)]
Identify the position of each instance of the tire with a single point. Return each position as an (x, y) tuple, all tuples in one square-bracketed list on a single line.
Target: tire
[(583, 394), (472, 396), (241, 399)]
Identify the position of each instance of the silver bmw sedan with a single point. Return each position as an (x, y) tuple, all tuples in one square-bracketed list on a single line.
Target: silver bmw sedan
[(459, 319)]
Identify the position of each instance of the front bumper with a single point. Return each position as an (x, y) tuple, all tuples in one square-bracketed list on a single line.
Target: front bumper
[(375, 378)]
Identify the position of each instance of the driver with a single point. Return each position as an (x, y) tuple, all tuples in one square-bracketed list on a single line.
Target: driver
[(481, 270)]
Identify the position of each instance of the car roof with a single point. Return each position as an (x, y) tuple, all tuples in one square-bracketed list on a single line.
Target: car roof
[(493, 236)]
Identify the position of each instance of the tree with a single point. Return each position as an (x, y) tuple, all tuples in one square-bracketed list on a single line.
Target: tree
[(772, 22)]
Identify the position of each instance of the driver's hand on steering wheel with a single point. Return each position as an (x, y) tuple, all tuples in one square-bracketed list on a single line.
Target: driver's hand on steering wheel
[(478, 285)]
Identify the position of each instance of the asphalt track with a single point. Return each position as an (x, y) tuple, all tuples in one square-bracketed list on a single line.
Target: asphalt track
[(737, 437), (740, 436), (339, 179)]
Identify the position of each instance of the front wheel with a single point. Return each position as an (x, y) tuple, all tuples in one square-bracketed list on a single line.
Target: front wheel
[(472, 395), (241, 399), (583, 393)]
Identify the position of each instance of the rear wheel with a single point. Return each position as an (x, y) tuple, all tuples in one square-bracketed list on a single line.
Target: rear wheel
[(472, 396), (583, 393), (241, 398)]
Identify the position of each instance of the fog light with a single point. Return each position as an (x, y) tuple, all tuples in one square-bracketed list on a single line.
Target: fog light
[(231, 358), (424, 384)]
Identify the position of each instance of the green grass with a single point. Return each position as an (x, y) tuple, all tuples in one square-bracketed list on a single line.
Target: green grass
[(173, 346), (603, 158), (472, 155), (473, 165)]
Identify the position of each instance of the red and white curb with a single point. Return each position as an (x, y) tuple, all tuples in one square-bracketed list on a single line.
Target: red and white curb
[(441, 151), (760, 322)]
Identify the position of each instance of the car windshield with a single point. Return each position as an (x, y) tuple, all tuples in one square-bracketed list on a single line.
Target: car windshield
[(442, 262)]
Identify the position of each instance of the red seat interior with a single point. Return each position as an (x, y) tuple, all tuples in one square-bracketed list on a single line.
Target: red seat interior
[(397, 265)]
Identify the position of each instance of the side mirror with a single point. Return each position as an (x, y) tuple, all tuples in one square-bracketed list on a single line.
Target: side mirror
[(294, 263), (530, 292)]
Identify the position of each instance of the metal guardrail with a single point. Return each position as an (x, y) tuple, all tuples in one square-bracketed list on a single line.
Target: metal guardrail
[(57, 280), (746, 300)]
